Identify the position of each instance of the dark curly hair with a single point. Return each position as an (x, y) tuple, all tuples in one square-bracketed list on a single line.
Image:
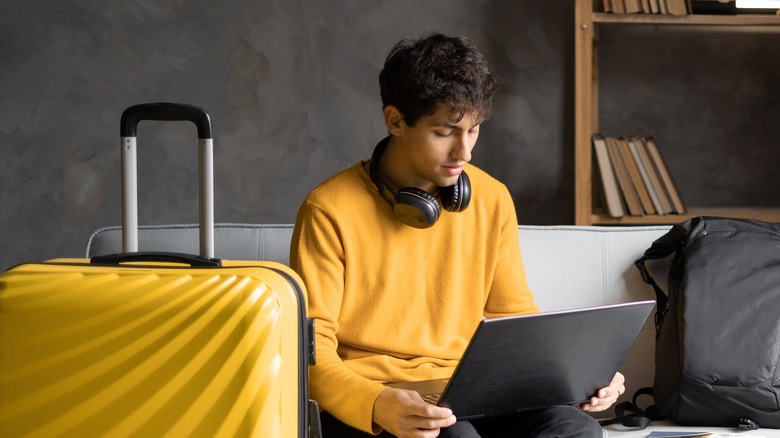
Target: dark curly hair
[(421, 74)]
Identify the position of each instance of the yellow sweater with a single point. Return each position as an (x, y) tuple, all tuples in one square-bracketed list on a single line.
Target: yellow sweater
[(396, 303)]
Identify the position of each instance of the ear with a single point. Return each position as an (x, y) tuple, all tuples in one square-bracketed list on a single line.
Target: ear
[(393, 120)]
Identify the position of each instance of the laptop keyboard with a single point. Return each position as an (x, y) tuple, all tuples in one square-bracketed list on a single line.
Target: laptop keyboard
[(431, 398)]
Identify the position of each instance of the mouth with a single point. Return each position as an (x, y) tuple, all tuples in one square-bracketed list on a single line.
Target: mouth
[(453, 170)]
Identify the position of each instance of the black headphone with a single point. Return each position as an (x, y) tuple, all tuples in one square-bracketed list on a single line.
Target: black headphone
[(415, 207)]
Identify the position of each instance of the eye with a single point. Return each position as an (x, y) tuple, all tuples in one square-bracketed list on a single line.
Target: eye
[(443, 133)]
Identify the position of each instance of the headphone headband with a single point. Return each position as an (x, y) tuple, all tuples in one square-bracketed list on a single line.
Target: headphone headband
[(415, 207)]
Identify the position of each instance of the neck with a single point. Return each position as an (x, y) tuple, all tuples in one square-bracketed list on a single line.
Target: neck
[(394, 171)]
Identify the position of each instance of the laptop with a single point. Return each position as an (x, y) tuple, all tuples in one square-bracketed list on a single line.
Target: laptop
[(519, 363)]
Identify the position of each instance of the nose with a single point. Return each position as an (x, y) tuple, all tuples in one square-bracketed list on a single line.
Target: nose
[(461, 150)]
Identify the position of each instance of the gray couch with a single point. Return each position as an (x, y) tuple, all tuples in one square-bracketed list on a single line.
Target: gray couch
[(567, 267)]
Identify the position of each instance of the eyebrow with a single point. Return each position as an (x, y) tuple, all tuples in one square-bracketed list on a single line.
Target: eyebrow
[(451, 125)]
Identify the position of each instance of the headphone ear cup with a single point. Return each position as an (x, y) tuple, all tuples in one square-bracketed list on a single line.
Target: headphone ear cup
[(416, 208), (456, 197)]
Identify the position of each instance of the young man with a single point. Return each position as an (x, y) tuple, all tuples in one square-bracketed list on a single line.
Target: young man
[(404, 254)]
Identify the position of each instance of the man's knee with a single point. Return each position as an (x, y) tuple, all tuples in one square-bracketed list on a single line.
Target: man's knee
[(568, 421), (461, 429)]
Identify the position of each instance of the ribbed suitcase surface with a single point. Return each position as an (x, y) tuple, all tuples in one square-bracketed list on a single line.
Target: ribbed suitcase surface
[(151, 350)]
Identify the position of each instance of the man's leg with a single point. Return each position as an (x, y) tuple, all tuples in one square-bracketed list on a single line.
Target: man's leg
[(557, 421), (461, 429), (332, 427)]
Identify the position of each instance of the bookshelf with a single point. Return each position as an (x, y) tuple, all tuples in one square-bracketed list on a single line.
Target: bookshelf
[(587, 21)]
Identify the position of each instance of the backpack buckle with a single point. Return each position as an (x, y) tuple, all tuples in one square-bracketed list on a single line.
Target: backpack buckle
[(747, 424)]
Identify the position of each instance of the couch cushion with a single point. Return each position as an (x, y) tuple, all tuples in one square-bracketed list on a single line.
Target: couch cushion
[(231, 241), (567, 266), (581, 266)]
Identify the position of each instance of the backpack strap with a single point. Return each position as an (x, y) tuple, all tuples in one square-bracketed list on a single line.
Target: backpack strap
[(629, 414), (670, 243)]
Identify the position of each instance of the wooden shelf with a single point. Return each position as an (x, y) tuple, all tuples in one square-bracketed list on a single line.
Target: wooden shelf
[(689, 20), (767, 214), (586, 106)]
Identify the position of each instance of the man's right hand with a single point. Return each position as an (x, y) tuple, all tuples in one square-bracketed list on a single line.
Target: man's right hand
[(405, 414)]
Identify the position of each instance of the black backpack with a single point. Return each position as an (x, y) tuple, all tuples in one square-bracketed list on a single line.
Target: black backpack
[(717, 359)]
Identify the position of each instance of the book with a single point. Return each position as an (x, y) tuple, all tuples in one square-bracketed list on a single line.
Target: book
[(655, 185), (660, 166), (677, 7), (654, 9), (632, 6), (610, 189), (624, 179), (644, 172), (636, 176), (662, 7)]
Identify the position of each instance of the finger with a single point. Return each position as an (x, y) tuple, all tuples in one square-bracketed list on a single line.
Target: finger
[(423, 427), (418, 407), (427, 410), (601, 402), (615, 389), (430, 423), (424, 415), (598, 404)]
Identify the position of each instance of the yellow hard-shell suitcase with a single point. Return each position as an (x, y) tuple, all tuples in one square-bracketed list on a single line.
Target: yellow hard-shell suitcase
[(154, 344)]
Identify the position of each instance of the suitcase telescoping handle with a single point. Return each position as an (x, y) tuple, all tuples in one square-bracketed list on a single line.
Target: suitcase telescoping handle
[(166, 112)]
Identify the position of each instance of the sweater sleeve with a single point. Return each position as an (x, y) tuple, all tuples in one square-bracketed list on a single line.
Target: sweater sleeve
[(509, 293), (317, 255)]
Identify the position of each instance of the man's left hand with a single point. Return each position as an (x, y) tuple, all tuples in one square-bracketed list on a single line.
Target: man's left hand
[(606, 397)]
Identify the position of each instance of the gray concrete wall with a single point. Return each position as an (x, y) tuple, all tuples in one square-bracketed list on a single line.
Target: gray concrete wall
[(291, 88)]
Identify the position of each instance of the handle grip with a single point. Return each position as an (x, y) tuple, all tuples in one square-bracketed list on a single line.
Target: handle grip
[(128, 127), (164, 111), (194, 261)]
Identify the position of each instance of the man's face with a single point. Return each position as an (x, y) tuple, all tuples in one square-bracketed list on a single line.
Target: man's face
[(436, 148)]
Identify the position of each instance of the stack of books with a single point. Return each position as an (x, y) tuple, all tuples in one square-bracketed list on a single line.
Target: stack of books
[(634, 177), (670, 7)]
